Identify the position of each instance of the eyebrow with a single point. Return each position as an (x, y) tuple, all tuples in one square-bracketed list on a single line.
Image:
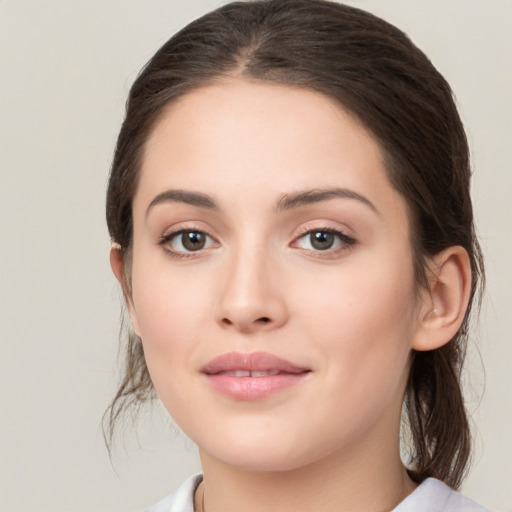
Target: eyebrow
[(182, 196), (285, 202), (307, 197)]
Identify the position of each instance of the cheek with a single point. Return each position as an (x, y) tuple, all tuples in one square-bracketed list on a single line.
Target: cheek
[(167, 333), (166, 301), (169, 311), (363, 321)]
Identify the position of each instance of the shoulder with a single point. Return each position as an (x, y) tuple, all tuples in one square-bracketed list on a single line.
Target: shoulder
[(435, 496), (181, 500)]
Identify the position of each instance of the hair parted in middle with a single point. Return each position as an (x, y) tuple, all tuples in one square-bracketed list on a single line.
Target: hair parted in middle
[(376, 73)]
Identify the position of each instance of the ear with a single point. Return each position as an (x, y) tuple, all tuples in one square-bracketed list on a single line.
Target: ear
[(446, 301), (117, 263)]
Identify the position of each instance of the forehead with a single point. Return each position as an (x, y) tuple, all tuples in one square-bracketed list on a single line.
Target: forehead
[(259, 114), (229, 138)]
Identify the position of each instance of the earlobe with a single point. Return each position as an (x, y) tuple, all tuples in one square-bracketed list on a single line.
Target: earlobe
[(442, 313)]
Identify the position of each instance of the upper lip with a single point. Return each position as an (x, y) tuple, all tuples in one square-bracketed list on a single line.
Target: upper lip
[(254, 361)]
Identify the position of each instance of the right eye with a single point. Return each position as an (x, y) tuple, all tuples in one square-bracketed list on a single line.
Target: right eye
[(187, 241)]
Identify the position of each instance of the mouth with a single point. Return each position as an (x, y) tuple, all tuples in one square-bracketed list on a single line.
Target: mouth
[(248, 373), (252, 376)]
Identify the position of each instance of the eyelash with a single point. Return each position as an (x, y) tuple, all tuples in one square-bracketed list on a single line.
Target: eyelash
[(166, 240), (345, 242)]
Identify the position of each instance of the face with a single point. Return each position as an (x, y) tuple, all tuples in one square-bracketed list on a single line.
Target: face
[(272, 277)]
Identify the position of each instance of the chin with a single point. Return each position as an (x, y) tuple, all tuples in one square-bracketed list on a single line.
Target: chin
[(261, 456), (258, 462)]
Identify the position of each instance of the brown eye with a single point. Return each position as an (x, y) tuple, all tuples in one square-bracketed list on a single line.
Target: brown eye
[(330, 241), (193, 240), (187, 241), (321, 240)]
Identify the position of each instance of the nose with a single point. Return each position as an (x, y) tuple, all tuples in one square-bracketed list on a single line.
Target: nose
[(252, 297)]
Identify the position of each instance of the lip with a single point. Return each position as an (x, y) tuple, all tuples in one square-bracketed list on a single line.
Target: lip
[(220, 373)]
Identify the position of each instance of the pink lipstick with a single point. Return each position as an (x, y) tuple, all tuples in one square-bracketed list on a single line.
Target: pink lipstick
[(252, 376)]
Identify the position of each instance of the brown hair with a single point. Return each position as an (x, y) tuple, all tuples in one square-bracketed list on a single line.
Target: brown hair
[(372, 69)]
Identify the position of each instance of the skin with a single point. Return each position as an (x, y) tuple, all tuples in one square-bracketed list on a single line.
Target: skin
[(351, 314)]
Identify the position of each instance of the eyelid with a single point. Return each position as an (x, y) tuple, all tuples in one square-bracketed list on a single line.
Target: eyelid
[(347, 242), (172, 233), (186, 225), (323, 225)]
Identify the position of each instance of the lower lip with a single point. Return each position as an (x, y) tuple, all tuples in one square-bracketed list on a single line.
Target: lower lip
[(253, 388)]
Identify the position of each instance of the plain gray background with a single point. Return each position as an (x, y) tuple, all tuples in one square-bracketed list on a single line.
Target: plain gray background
[(66, 67)]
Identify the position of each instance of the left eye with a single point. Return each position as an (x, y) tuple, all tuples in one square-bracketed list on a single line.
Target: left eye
[(323, 240), (188, 241)]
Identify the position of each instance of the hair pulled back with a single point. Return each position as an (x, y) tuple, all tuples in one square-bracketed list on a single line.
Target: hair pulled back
[(374, 71)]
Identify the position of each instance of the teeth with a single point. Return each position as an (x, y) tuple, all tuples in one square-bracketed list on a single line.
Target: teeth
[(242, 373), (264, 373), (259, 374), (247, 373)]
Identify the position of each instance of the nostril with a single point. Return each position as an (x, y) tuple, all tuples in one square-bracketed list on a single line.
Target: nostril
[(245, 325)]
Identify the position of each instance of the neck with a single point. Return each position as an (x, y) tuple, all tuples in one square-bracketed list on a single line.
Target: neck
[(360, 481)]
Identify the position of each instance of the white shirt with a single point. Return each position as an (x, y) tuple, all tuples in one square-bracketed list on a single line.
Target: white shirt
[(430, 496)]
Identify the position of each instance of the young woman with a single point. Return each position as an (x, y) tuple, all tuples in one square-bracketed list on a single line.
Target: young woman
[(293, 232)]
